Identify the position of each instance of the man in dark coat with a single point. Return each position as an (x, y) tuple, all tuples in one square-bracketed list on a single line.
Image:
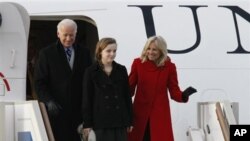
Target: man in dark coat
[(58, 81)]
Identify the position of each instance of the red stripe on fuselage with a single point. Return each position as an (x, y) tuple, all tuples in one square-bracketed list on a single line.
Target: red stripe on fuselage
[(5, 82)]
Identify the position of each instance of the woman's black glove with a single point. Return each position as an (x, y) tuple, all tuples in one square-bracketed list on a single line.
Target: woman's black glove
[(187, 92), (53, 108)]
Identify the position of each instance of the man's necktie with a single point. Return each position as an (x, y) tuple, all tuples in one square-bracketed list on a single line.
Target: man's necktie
[(68, 53)]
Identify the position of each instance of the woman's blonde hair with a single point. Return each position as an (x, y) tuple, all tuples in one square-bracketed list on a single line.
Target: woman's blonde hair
[(161, 46), (101, 45)]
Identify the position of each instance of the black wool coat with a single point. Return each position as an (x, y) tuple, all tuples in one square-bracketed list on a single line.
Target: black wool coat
[(106, 99), (55, 80)]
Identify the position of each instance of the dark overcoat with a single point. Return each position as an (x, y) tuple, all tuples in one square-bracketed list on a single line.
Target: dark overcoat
[(106, 99), (55, 80), (152, 85)]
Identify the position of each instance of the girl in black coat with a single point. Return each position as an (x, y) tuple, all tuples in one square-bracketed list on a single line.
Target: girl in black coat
[(107, 106)]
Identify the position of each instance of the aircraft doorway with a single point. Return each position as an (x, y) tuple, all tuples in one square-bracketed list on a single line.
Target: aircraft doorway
[(43, 32)]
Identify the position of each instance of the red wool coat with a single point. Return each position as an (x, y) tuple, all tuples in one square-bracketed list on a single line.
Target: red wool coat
[(151, 101)]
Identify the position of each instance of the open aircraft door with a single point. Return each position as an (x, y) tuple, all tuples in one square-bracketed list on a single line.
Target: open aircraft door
[(14, 31), (20, 120)]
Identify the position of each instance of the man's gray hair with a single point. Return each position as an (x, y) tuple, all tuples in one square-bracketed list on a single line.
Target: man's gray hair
[(67, 22)]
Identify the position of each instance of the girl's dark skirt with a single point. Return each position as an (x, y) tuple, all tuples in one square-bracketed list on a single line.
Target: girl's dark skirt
[(111, 134)]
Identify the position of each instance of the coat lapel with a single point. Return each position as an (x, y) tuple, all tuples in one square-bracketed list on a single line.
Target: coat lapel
[(77, 58), (63, 56)]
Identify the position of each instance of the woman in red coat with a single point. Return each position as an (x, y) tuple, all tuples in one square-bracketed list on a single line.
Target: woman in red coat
[(153, 75)]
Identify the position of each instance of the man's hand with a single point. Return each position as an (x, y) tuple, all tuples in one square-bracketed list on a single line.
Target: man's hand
[(53, 108)]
